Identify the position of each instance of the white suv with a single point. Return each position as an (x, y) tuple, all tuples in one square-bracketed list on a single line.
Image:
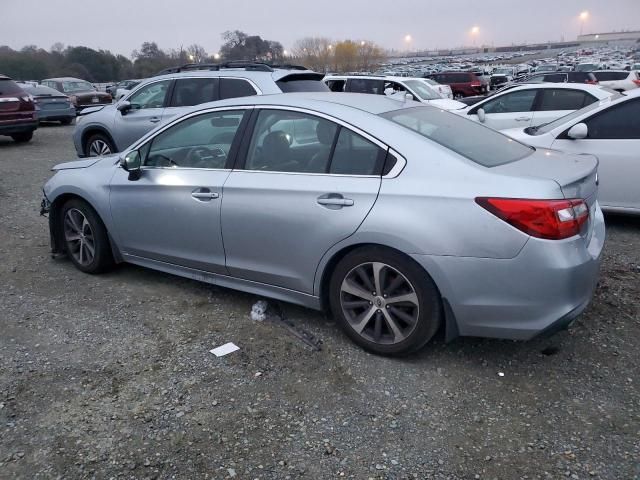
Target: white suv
[(398, 87), (110, 129)]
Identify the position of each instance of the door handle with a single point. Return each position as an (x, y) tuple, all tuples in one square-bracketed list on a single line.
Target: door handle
[(204, 194), (523, 119), (338, 202), (154, 119)]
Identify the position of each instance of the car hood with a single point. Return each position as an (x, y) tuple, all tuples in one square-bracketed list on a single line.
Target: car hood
[(447, 104), (87, 162)]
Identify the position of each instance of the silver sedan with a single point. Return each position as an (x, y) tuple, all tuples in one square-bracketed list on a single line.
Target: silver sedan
[(398, 218)]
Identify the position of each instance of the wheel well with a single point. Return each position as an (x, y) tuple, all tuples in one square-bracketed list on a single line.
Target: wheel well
[(331, 265), (92, 131), (55, 224)]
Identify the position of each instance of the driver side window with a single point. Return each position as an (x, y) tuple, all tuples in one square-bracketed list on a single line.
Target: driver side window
[(150, 96), (521, 101), (203, 141)]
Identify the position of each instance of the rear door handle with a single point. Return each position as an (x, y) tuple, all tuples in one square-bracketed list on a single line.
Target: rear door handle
[(204, 194), (338, 202), (523, 119), (154, 119)]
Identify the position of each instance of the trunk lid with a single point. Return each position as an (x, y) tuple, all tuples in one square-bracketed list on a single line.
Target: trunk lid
[(576, 174)]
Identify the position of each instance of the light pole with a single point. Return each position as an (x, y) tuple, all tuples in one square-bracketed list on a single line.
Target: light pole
[(475, 31), (407, 40), (584, 16)]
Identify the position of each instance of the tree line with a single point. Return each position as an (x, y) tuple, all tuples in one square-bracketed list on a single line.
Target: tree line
[(320, 54)]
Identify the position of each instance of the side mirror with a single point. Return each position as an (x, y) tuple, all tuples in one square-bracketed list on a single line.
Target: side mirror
[(124, 107), (409, 97), (578, 131), (481, 115), (132, 162)]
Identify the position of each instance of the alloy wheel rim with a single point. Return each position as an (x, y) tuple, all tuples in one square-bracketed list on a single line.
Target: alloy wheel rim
[(99, 148), (379, 303), (79, 237)]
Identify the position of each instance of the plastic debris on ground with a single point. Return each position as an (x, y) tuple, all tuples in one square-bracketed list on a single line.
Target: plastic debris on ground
[(225, 349), (259, 311)]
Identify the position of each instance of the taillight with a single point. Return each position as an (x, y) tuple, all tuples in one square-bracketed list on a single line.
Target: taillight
[(476, 84), (549, 219), (637, 82), (591, 82)]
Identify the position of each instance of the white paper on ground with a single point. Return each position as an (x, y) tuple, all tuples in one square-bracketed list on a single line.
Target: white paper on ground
[(225, 349)]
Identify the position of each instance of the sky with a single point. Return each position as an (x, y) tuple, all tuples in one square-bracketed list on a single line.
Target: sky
[(123, 25)]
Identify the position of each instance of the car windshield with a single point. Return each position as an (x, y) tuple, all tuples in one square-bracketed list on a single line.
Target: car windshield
[(76, 86), (476, 142), (502, 71), (547, 127), (42, 91), (9, 87), (424, 91)]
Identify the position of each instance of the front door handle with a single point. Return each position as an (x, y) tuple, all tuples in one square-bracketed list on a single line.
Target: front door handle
[(523, 119), (335, 201), (204, 194), (154, 119)]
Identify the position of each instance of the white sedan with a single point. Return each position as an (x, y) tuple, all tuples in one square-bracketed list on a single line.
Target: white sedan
[(534, 104), (619, 80), (444, 90), (608, 129)]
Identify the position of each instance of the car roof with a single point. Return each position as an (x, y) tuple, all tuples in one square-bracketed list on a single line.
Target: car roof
[(276, 74), (374, 104), (66, 79), (394, 78)]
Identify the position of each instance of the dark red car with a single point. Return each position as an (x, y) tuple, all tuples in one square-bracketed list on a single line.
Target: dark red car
[(81, 93), (18, 117), (463, 84)]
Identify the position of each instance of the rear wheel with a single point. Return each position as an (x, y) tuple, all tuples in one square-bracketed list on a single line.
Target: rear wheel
[(384, 301), (98, 145), (22, 137), (85, 237)]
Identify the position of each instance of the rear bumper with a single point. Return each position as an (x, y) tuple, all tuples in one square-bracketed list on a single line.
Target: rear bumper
[(541, 290), (18, 127), (57, 114)]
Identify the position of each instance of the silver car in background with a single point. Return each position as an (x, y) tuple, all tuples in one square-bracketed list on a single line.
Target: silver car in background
[(399, 218)]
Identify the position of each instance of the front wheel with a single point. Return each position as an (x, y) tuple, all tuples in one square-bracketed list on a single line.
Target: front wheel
[(98, 145), (384, 301), (85, 237)]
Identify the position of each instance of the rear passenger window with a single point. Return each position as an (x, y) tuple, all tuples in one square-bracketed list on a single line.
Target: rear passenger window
[(355, 155), (555, 78), (363, 85), (563, 99), (194, 91), (520, 101), (336, 85), (233, 88)]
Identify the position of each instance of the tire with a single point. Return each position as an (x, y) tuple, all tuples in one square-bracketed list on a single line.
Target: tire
[(22, 137), (416, 320), (98, 144), (66, 121), (80, 238)]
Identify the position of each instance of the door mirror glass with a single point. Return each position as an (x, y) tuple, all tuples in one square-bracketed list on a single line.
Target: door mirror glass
[(131, 161), (481, 115), (124, 107), (578, 131)]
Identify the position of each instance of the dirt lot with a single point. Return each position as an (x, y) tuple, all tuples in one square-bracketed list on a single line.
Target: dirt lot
[(111, 377)]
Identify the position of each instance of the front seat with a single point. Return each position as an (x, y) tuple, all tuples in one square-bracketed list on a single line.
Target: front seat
[(275, 153), (325, 132)]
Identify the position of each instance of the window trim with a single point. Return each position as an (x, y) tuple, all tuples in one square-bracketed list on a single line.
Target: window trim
[(241, 158)]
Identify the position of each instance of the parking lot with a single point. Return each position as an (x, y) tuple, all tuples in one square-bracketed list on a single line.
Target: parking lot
[(111, 377)]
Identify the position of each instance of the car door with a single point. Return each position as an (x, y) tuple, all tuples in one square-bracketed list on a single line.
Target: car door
[(304, 183), (171, 214), (508, 110), (613, 137), (147, 107), (553, 103)]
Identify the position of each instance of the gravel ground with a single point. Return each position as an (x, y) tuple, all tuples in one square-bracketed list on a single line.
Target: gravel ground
[(111, 377)]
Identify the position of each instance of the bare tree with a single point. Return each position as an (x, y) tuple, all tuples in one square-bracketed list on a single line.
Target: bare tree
[(57, 47), (196, 53)]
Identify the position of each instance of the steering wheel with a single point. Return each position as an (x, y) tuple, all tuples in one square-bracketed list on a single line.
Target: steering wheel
[(203, 156)]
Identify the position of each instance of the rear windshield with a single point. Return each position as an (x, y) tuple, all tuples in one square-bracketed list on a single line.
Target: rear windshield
[(9, 87), (476, 142), (76, 86), (424, 91), (607, 76), (302, 83)]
